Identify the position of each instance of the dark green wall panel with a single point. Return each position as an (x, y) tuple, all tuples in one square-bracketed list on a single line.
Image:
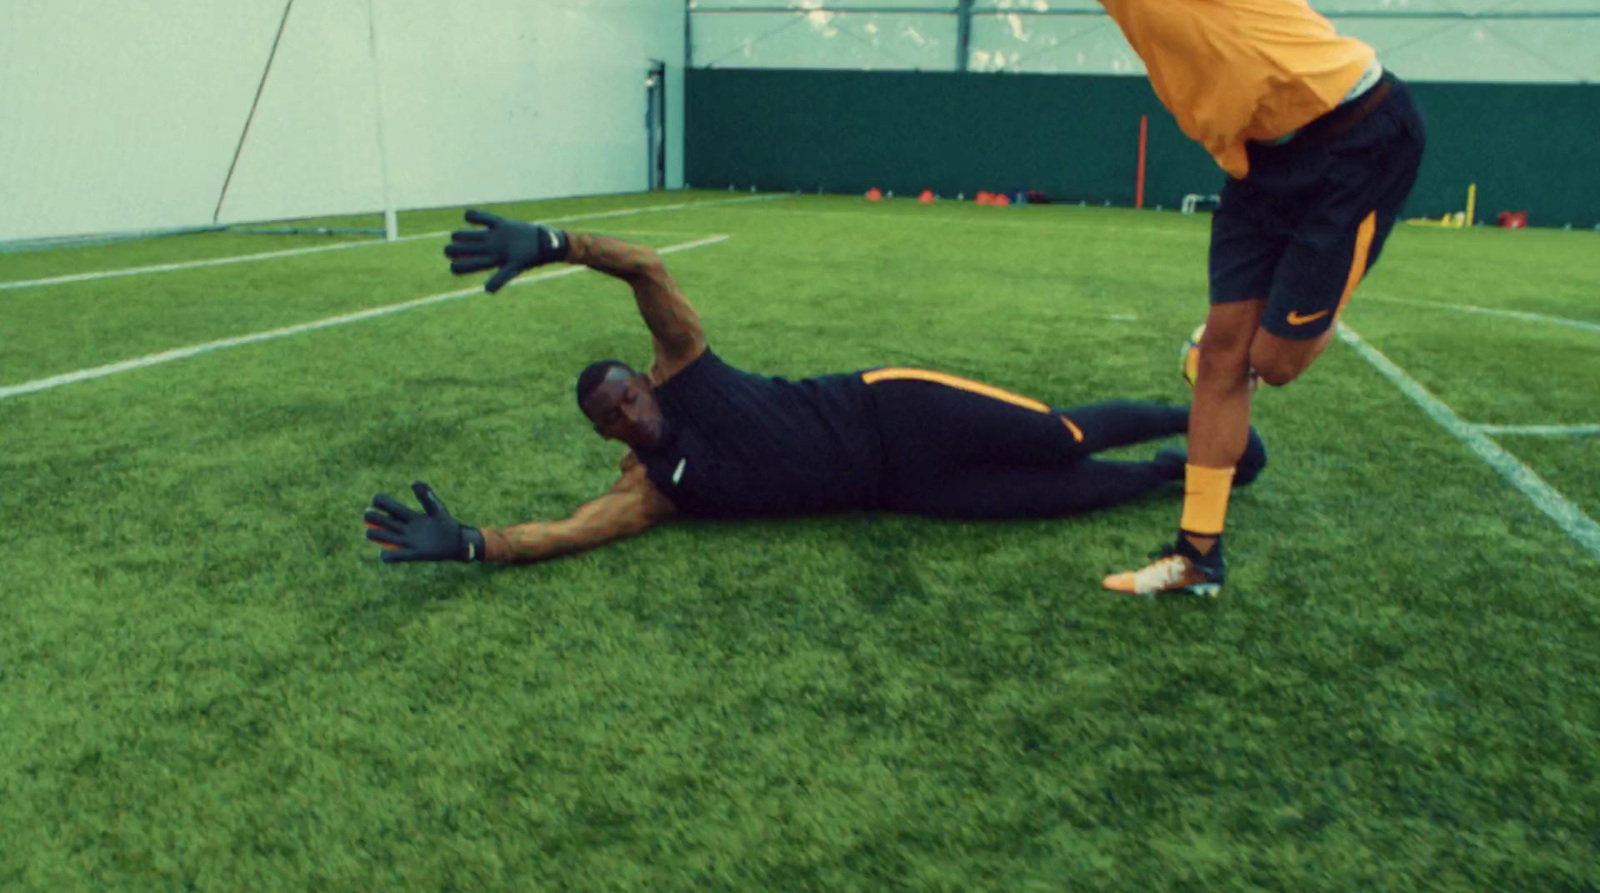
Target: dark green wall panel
[(1528, 147)]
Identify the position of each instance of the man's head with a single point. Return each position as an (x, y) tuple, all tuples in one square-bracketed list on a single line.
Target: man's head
[(621, 404)]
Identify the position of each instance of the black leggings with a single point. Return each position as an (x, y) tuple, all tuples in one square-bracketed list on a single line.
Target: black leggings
[(958, 449)]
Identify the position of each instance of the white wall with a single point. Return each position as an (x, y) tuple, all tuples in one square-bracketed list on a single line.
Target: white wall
[(125, 117), (120, 118)]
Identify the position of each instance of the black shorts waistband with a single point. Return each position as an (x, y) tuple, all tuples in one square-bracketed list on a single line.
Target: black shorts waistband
[(1335, 122)]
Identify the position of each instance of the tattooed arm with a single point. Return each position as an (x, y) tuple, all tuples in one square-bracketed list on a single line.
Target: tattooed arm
[(676, 327), (633, 506)]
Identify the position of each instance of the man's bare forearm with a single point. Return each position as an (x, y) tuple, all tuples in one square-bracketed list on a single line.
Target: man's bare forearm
[(665, 310), (617, 257), (630, 509), (536, 541)]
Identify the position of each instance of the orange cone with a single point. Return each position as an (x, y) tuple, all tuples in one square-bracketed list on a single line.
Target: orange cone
[(874, 195), (1001, 199), (926, 197), (983, 198)]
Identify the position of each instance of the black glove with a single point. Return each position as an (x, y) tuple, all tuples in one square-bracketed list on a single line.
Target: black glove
[(508, 244), (434, 536)]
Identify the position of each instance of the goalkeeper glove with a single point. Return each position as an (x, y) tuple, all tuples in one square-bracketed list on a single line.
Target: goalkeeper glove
[(508, 244), (433, 535)]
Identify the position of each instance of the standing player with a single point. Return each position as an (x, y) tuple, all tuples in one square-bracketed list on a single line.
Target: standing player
[(1321, 146)]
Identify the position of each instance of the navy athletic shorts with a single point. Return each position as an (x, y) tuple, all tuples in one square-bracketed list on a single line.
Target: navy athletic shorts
[(1308, 221)]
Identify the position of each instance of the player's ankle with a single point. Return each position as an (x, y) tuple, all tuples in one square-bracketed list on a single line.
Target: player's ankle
[(1199, 548)]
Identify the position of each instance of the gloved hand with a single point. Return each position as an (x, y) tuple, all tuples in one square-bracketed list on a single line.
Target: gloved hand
[(508, 244), (406, 535)]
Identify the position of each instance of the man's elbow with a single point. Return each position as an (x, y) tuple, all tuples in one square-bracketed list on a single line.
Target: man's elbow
[(652, 267)]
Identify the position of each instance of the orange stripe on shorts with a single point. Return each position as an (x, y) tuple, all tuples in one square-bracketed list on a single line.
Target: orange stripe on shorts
[(1358, 263)]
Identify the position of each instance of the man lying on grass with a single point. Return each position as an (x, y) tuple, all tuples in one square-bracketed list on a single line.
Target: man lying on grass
[(710, 440)]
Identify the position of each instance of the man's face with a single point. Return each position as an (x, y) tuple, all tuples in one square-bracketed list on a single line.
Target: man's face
[(624, 408)]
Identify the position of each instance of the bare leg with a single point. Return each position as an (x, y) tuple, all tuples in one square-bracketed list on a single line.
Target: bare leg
[(1219, 420), (1279, 360)]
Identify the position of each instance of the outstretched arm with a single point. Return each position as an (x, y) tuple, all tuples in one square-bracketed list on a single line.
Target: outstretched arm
[(678, 338), (633, 506), (510, 247)]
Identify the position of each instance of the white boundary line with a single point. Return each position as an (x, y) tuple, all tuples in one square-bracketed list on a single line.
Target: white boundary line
[(1546, 498), (181, 353), (292, 252), (1490, 311), (954, 221), (1538, 430)]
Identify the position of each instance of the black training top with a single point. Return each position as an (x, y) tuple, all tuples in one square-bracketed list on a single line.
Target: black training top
[(740, 444)]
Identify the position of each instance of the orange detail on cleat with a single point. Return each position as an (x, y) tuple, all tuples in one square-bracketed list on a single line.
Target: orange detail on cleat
[(1171, 573), (1123, 582)]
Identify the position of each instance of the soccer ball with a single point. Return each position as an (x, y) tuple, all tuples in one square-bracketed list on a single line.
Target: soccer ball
[(1189, 356)]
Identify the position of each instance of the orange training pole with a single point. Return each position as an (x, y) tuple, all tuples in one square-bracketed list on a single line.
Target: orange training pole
[(1144, 138)]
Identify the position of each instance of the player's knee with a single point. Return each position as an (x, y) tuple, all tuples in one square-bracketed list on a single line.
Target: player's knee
[(1227, 334), (1276, 368), (1276, 378)]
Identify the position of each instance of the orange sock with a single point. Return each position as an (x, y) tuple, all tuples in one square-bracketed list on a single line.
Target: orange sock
[(1205, 499)]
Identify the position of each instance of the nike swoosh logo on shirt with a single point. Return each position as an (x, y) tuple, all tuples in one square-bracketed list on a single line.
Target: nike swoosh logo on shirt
[(677, 473)]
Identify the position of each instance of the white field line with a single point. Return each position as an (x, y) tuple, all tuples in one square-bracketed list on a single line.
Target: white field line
[(1546, 498), (182, 353), (956, 223), (1490, 311), (1538, 430), (293, 252)]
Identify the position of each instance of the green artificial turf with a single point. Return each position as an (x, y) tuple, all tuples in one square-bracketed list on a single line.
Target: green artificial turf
[(208, 681)]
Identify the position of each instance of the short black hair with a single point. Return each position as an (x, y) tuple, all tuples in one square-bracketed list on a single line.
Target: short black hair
[(596, 372)]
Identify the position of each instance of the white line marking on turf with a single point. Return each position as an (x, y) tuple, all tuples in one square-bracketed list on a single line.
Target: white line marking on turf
[(1538, 430), (1490, 311), (181, 353), (874, 218), (316, 249), (1548, 499)]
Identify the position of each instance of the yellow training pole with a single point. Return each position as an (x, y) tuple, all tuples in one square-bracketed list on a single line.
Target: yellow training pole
[(1472, 202)]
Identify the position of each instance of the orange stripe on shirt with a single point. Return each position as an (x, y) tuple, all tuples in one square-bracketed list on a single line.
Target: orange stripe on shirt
[(975, 387), (1358, 263)]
